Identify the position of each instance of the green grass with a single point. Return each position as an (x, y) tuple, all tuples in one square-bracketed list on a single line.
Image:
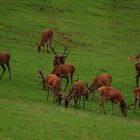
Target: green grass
[(101, 35)]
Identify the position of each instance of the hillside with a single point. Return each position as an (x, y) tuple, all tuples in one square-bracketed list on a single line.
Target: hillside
[(101, 35)]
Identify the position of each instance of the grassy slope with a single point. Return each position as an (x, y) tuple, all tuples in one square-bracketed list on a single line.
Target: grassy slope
[(101, 34)]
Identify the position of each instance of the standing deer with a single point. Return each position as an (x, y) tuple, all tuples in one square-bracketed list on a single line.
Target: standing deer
[(100, 80), (45, 37), (51, 82), (78, 89), (64, 71), (113, 95), (60, 57), (5, 60)]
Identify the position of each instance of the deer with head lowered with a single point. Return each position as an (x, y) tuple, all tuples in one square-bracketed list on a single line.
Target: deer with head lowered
[(45, 37), (5, 60), (78, 89), (51, 82), (100, 80), (60, 57), (64, 71), (114, 95)]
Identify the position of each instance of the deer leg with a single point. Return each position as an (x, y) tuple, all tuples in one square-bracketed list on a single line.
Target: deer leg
[(9, 70), (54, 95), (50, 42), (71, 77), (67, 83), (93, 93), (137, 80), (79, 97), (139, 103), (47, 46), (99, 107), (48, 94), (84, 101), (75, 101), (101, 104), (3, 67), (43, 48), (135, 104), (103, 108), (112, 107)]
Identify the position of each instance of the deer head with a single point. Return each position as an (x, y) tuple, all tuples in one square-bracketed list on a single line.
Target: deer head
[(60, 57)]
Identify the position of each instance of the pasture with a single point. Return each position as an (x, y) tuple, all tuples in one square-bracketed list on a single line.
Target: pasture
[(101, 35)]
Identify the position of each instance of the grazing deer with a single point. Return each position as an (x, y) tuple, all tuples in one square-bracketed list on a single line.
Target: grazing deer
[(137, 97), (64, 71), (45, 37), (78, 89), (51, 82), (113, 95), (5, 60), (99, 81), (137, 67), (60, 57)]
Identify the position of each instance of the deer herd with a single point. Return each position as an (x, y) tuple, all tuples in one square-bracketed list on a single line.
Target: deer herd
[(78, 89)]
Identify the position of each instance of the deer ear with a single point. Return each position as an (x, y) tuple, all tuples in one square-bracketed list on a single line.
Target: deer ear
[(87, 86)]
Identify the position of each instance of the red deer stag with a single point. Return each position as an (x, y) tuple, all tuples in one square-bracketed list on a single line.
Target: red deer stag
[(137, 97), (100, 80), (45, 37), (113, 95), (64, 71), (60, 57), (51, 82), (78, 89), (5, 60), (137, 67)]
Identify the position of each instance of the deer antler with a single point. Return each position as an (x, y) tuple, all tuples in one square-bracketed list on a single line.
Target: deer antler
[(66, 51), (41, 73), (87, 86)]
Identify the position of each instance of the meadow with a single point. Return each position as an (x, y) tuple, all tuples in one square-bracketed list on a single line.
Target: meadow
[(101, 35)]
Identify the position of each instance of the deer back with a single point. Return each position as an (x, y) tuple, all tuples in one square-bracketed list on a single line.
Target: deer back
[(53, 81), (4, 57), (45, 36), (63, 70), (110, 93), (101, 80)]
